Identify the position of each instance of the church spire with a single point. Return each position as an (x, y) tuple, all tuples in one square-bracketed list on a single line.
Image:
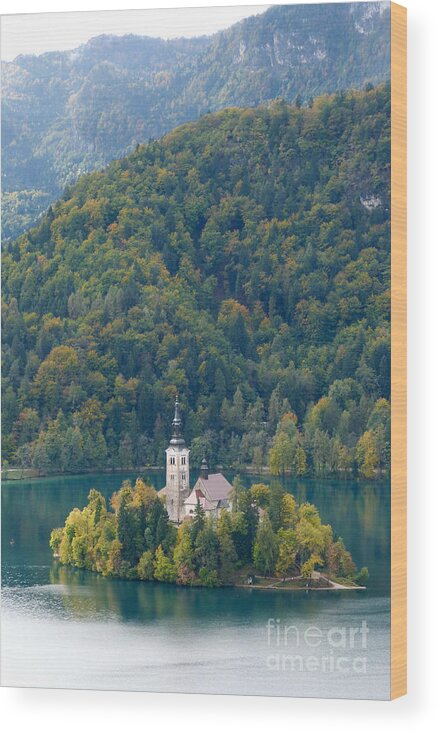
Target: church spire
[(177, 438), (177, 470), (204, 469)]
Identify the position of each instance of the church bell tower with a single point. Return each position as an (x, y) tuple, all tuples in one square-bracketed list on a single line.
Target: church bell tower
[(177, 471)]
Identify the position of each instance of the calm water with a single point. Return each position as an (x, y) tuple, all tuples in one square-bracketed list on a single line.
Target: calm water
[(68, 628)]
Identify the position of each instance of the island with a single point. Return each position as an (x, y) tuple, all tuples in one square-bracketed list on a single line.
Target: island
[(216, 534)]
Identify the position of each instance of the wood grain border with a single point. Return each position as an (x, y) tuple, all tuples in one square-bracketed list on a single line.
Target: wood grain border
[(398, 350)]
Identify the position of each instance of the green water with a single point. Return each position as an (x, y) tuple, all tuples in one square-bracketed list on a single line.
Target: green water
[(68, 628)]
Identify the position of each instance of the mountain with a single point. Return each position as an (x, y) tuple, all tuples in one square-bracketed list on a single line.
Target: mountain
[(67, 113), (242, 260)]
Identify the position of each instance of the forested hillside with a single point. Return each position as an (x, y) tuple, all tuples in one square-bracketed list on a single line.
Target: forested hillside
[(242, 261), (67, 113)]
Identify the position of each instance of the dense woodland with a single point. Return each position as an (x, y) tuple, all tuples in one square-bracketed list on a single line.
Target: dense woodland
[(243, 262), (66, 113), (267, 532)]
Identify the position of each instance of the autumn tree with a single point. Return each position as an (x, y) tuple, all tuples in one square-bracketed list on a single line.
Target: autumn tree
[(366, 455), (287, 552), (164, 567)]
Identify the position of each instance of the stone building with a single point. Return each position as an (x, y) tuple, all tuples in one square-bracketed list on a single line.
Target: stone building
[(211, 490), (177, 486)]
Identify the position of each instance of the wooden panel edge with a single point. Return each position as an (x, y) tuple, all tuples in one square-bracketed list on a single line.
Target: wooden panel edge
[(398, 352)]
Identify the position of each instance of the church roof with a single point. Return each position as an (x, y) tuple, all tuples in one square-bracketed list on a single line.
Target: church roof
[(197, 495), (215, 487)]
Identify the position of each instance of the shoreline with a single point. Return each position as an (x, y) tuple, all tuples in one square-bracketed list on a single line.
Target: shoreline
[(334, 588), (283, 587), (277, 585), (34, 474)]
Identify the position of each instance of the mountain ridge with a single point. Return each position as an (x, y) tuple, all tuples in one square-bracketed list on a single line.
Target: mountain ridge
[(65, 113)]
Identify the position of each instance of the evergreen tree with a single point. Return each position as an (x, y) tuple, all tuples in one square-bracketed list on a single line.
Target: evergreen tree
[(265, 547), (127, 526), (206, 548), (198, 522)]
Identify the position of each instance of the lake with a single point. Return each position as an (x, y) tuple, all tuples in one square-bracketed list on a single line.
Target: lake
[(69, 628)]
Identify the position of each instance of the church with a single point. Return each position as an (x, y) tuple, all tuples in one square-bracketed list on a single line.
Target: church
[(212, 490)]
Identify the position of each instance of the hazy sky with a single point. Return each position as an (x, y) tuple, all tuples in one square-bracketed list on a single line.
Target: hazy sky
[(40, 32)]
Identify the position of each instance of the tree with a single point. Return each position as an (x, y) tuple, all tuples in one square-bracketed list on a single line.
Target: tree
[(258, 458), (158, 525), (96, 506), (55, 375), (287, 552), (198, 522), (183, 556), (206, 548), (127, 527), (345, 460), (41, 459), (164, 567), (24, 457), (321, 451), (244, 536), (277, 408), (260, 493), (26, 426), (227, 551), (366, 455), (126, 452), (202, 447), (276, 505), (313, 538), (238, 494), (309, 565), (265, 547), (146, 565), (288, 516), (362, 576), (72, 458), (339, 560), (300, 461), (55, 540), (281, 454), (234, 320)]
